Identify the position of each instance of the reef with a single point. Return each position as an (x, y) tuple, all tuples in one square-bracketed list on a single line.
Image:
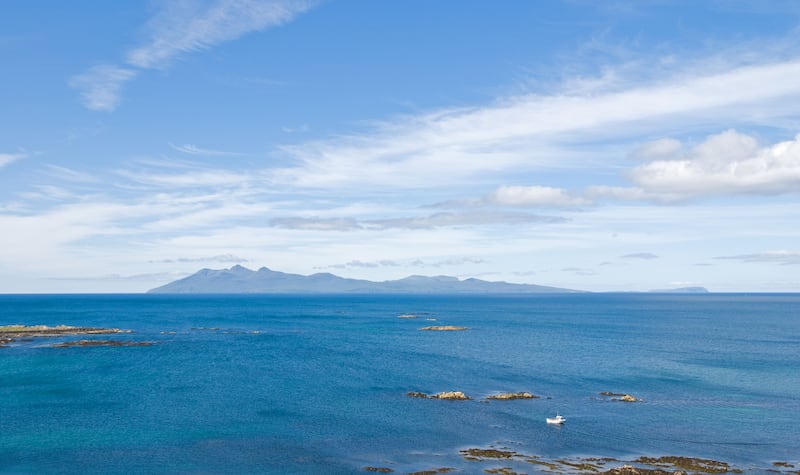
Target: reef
[(688, 463), (622, 397), (444, 328), (84, 343), (378, 469), (12, 333), (434, 471), (451, 395), (668, 465), (509, 396), (417, 394)]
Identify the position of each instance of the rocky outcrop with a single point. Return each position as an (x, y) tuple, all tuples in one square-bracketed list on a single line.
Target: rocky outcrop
[(11, 333), (621, 397), (688, 463), (451, 395), (20, 331), (631, 470), (417, 394), (378, 469), (481, 454), (444, 328), (84, 343), (509, 396)]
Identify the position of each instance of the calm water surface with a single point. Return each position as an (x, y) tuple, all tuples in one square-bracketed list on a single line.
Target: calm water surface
[(317, 384)]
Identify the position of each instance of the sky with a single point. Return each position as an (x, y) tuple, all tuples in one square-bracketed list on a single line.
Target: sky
[(602, 146)]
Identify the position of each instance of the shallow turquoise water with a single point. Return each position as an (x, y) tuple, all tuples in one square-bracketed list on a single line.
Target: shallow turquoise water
[(320, 388)]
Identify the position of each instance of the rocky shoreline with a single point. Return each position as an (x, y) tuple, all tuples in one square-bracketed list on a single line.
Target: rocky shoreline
[(502, 460), (15, 333)]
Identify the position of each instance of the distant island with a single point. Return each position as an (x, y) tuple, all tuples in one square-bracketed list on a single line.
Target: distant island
[(241, 280), (683, 290)]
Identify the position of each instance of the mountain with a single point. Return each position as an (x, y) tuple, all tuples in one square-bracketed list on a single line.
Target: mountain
[(240, 280)]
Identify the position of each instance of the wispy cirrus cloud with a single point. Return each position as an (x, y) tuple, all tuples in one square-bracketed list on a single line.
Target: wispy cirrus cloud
[(782, 257), (356, 264), (436, 220), (181, 28), (640, 255), (192, 149), (531, 131), (100, 86), (222, 258), (8, 158)]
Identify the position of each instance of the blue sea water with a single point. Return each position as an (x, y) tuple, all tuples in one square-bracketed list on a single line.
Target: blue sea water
[(317, 384)]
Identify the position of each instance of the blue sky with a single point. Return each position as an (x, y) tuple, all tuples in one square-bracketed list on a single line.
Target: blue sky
[(608, 145)]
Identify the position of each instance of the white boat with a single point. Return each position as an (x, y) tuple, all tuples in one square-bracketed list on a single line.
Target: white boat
[(556, 420)]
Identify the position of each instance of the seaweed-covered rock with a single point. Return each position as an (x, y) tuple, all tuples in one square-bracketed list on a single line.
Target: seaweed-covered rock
[(509, 396), (451, 395), (417, 394), (480, 454), (378, 469), (84, 343), (688, 463)]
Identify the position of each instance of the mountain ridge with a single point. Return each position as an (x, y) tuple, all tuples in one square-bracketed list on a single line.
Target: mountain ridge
[(241, 280)]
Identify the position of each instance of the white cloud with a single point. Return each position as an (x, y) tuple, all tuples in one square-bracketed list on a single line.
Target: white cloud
[(101, 85), (534, 196), (727, 163), (529, 131), (7, 158), (661, 149)]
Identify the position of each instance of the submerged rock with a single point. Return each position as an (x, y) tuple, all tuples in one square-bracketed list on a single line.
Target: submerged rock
[(18, 331), (622, 397), (444, 328), (509, 396), (688, 463), (12, 333), (480, 454), (378, 469), (417, 394), (80, 343), (631, 470), (407, 315)]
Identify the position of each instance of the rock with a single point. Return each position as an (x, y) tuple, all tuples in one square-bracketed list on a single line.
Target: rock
[(622, 397), (378, 469), (71, 344), (479, 454), (434, 471), (451, 395), (444, 328), (417, 394), (631, 470), (688, 463), (407, 316), (12, 333), (508, 396)]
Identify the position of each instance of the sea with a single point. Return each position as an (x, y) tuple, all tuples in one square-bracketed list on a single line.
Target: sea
[(318, 383)]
